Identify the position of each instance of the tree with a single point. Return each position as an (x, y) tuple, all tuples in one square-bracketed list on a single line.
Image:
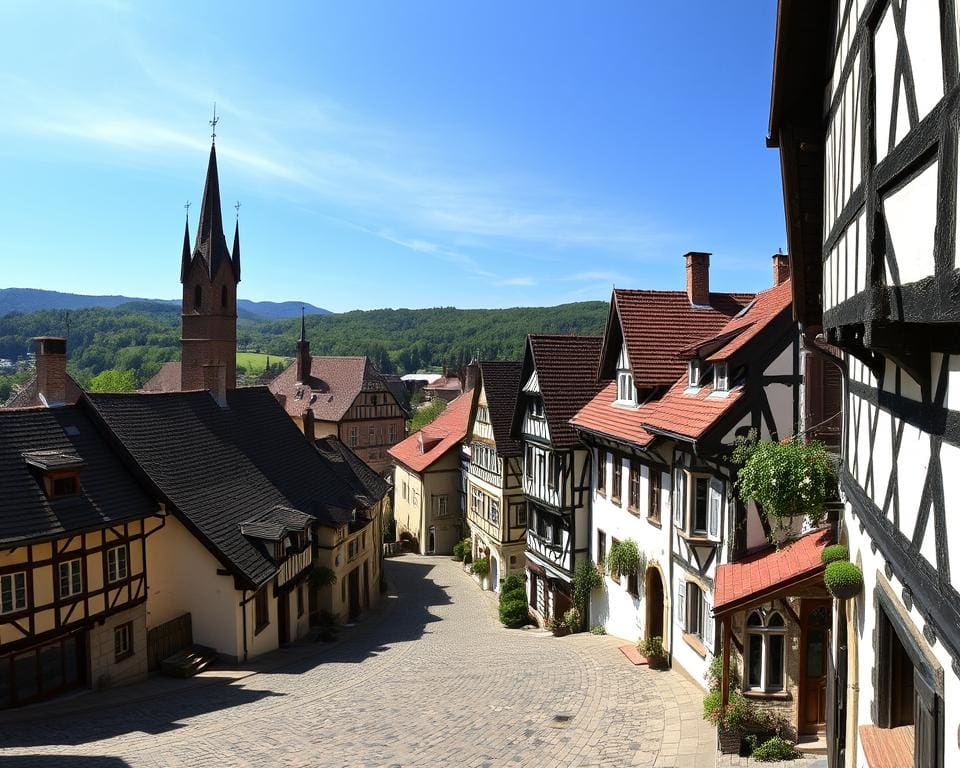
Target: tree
[(113, 380)]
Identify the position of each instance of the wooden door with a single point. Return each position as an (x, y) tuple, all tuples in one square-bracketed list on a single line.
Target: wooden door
[(814, 648), (655, 626), (353, 588), (283, 618)]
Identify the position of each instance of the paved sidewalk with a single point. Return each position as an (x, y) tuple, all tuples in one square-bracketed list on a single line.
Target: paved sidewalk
[(429, 679)]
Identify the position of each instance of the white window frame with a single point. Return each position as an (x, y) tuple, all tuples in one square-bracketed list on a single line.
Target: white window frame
[(626, 391), (714, 507), (765, 632), (493, 512), (13, 592), (536, 407), (123, 641), (679, 497), (691, 505), (441, 505), (693, 373), (682, 604), (721, 377), (70, 574), (114, 561)]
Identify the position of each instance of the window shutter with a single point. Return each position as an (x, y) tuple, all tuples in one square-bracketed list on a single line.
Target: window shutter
[(682, 604), (678, 498), (714, 514), (927, 720), (708, 627)]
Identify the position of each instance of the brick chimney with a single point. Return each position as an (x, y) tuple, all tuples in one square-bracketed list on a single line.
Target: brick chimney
[(215, 381), (51, 369), (472, 376), (698, 278), (781, 268), (309, 430)]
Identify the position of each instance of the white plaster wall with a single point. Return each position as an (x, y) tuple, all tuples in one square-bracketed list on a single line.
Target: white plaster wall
[(911, 215), (182, 577)]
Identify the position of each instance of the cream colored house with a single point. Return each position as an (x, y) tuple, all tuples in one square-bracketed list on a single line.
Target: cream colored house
[(496, 508), (427, 481), (73, 582)]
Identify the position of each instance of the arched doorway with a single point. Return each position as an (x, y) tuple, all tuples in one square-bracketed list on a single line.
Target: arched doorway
[(654, 596)]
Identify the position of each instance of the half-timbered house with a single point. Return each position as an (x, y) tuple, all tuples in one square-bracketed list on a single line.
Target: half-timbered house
[(864, 111), (496, 508), (73, 570), (557, 377)]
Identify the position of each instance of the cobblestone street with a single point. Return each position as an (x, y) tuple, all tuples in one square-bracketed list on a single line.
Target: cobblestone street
[(430, 680)]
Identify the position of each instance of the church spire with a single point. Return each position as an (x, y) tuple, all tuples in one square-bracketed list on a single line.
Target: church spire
[(185, 257), (211, 243), (303, 352), (235, 258)]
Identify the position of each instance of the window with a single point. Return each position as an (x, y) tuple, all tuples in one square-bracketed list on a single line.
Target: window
[(197, 298), (617, 479), (693, 373), (682, 603), (371, 436), (520, 514), (65, 486), (721, 379), (117, 563), (483, 415), (13, 592), (71, 582), (694, 610), (299, 601), (441, 505), (393, 434), (553, 471), (404, 492), (613, 574), (601, 547), (536, 407), (494, 512), (354, 437), (766, 637), (626, 392), (716, 491), (123, 641), (261, 610), (634, 486), (653, 510), (701, 489), (679, 482), (633, 584), (557, 532), (528, 464), (601, 472)]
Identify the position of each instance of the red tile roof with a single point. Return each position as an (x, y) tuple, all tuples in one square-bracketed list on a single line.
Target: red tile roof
[(444, 383), (330, 389), (602, 417), (567, 374), (689, 414), (167, 379), (763, 575), (657, 325), (424, 447)]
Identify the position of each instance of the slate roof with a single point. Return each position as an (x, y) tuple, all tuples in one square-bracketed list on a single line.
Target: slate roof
[(220, 467), (331, 388), (365, 483), (566, 369), (29, 397), (501, 383), (657, 325), (764, 574), (424, 447), (108, 492), (167, 379), (275, 523)]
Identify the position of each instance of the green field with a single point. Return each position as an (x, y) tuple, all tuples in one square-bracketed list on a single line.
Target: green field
[(255, 363)]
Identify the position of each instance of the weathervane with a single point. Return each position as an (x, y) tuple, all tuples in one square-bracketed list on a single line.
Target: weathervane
[(213, 124), (186, 207), (237, 208)]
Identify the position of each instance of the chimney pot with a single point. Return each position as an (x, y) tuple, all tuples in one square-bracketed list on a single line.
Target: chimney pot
[(781, 268), (698, 278), (51, 354)]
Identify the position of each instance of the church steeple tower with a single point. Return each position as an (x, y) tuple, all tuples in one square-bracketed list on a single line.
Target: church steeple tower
[(208, 339), (303, 352)]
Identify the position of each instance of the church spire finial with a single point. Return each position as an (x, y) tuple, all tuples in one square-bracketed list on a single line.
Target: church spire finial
[(213, 125), (185, 256), (303, 325)]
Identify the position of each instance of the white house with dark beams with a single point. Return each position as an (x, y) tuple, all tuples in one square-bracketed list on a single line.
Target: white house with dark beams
[(864, 111), (687, 372), (558, 376)]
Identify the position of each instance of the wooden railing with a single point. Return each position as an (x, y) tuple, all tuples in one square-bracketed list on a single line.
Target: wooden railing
[(168, 638)]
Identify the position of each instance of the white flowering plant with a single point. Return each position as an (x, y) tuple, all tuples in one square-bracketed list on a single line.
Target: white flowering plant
[(787, 480)]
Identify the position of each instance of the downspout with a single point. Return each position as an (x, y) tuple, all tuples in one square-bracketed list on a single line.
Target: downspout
[(243, 610)]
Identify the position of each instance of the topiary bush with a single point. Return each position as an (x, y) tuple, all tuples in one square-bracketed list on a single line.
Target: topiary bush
[(513, 609), (835, 552), (774, 749), (513, 583), (843, 579)]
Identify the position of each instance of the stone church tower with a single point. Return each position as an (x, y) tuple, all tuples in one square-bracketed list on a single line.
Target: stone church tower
[(209, 274)]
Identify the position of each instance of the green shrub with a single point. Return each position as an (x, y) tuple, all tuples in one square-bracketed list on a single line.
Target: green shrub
[(774, 749), (624, 558), (572, 620), (458, 551), (513, 610), (598, 629), (739, 715), (652, 647), (514, 583), (715, 673), (834, 553), (480, 567), (843, 578), (586, 578)]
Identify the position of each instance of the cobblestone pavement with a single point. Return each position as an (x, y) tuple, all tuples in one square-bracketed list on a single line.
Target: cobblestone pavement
[(430, 680)]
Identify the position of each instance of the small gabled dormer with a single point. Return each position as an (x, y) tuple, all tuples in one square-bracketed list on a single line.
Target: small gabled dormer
[(721, 376), (626, 389), (694, 373), (57, 470)]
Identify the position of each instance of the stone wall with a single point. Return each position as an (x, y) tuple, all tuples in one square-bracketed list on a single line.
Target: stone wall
[(104, 669)]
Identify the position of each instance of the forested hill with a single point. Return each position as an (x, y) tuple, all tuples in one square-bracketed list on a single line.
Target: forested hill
[(140, 336)]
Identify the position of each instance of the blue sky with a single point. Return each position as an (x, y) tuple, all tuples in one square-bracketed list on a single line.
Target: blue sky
[(391, 154)]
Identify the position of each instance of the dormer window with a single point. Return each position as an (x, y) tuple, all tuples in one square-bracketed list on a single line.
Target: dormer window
[(57, 470), (536, 407), (66, 485), (626, 392), (693, 373), (721, 377)]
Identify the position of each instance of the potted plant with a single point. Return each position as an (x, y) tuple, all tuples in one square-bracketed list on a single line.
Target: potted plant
[(843, 579), (652, 649), (789, 481), (732, 721), (480, 567), (625, 559)]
